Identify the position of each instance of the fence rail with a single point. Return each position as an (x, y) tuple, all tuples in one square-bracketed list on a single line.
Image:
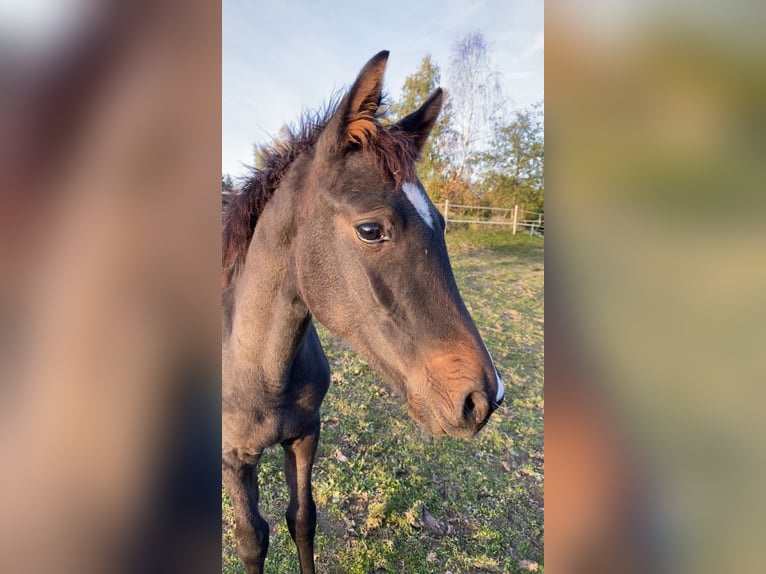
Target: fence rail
[(520, 220), (531, 221)]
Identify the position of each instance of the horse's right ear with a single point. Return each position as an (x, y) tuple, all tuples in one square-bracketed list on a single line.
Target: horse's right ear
[(420, 122), (354, 120)]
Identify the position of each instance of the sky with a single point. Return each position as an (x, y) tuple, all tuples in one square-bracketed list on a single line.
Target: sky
[(283, 57)]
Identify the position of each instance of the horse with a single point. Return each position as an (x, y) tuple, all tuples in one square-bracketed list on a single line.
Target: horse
[(335, 226)]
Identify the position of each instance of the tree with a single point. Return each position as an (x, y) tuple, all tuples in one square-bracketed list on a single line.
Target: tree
[(514, 163), (226, 183), (417, 87), (477, 101)]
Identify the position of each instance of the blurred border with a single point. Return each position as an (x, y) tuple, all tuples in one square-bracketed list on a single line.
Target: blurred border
[(110, 135), (655, 279)]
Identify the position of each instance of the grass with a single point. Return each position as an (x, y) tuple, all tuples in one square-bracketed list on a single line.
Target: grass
[(389, 497)]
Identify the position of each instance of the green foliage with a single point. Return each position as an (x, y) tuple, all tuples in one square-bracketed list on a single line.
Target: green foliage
[(417, 87), (391, 498), (475, 156), (226, 183), (513, 171)]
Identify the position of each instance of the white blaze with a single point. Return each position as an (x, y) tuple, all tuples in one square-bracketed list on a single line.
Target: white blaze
[(422, 205), (500, 385), (500, 388), (419, 201)]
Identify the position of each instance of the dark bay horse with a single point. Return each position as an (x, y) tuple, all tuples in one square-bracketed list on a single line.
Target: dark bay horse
[(336, 226)]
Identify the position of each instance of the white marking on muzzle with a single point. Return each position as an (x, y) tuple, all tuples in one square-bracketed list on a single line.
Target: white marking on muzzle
[(500, 385), (419, 201)]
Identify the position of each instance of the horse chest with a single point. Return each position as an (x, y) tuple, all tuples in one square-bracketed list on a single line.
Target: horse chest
[(261, 410)]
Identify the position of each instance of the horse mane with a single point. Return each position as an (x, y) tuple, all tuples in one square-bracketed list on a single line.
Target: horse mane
[(394, 150)]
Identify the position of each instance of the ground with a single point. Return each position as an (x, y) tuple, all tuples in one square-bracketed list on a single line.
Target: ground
[(391, 498)]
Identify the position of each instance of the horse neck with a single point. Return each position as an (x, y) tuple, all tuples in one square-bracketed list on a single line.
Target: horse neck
[(269, 316)]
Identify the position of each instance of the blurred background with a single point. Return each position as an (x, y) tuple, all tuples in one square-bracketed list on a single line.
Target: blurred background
[(655, 286)]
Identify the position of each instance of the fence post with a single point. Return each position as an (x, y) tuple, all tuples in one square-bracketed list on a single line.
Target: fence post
[(446, 214), (515, 217)]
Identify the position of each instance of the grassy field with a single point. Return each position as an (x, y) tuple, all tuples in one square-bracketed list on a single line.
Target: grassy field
[(389, 497)]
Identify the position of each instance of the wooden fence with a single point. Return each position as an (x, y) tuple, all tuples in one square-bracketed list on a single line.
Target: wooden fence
[(532, 222)]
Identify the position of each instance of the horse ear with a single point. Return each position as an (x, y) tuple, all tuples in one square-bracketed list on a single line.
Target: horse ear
[(420, 122), (354, 121)]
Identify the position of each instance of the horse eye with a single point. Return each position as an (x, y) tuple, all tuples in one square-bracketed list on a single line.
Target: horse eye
[(370, 232)]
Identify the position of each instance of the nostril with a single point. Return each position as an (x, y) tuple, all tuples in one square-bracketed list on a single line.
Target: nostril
[(475, 408), (468, 407)]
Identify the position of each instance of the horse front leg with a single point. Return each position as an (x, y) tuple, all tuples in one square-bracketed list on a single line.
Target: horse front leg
[(240, 478), (301, 511)]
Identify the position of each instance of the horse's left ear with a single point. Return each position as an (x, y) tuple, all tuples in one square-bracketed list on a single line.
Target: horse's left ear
[(420, 122)]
